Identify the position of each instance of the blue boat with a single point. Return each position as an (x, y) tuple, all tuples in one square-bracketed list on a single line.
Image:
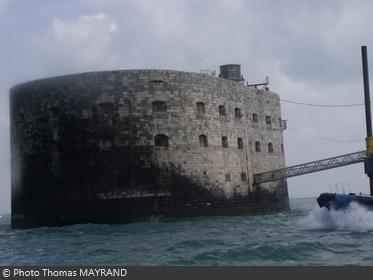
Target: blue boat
[(342, 201)]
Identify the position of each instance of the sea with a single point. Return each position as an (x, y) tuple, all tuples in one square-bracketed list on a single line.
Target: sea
[(306, 235)]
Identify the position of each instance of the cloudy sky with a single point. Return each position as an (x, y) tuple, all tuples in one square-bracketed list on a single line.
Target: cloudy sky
[(309, 49)]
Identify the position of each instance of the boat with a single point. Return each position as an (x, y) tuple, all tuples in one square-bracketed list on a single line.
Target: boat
[(337, 201)]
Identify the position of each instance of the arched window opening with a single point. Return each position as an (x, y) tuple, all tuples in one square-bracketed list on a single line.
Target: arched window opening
[(243, 176), (237, 113), (228, 177), (222, 111), (106, 107), (159, 106), (240, 143), (255, 118), (282, 147), (105, 144), (21, 117), (201, 110), (161, 140), (257, 146), (268, 120), (270, 147), (203, 140), (156, 82), (224, 142)]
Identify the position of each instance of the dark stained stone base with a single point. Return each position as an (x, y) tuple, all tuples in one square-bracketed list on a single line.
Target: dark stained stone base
[(126, 210)]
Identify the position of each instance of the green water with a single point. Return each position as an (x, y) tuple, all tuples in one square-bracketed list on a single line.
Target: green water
[(307, 235)]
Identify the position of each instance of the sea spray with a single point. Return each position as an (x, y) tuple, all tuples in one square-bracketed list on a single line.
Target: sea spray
[(354, 218)]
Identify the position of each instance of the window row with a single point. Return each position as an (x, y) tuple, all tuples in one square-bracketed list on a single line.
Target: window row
[(201, 110), (161, 140), (224, 142), (259, 149), (161, 107), (242, 175), (270, 147), (268, 119), (223, 113)]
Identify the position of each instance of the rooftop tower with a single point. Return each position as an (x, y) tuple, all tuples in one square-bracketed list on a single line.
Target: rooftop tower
[(231, 72)]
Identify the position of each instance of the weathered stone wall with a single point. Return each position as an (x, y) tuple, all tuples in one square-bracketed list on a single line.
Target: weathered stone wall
[(95, 133)]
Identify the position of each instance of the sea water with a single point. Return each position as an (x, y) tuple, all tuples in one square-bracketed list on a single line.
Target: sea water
[(307, 235)]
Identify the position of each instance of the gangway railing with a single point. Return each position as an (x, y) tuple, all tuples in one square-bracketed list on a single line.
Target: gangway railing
[(309, 167)]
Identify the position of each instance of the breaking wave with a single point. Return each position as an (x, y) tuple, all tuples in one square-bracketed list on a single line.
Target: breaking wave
[(354, 218)]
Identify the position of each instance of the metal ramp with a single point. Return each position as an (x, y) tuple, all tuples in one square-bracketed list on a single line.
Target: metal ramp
[(309, 167)]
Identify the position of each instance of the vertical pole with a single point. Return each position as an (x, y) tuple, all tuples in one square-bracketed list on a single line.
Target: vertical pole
[(368, 163), (368, 117)]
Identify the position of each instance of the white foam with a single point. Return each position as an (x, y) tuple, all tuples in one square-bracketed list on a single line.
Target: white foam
[(353, 218)]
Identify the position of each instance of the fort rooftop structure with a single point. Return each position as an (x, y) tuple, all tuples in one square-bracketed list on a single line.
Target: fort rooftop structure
[(129, 145)]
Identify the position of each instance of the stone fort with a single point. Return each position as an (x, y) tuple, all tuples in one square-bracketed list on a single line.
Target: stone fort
[(153, 136)]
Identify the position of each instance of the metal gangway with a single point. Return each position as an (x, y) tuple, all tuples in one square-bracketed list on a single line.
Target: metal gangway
[(309, 167)]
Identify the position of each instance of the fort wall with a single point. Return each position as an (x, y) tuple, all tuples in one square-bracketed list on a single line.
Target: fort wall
[(128, 132)]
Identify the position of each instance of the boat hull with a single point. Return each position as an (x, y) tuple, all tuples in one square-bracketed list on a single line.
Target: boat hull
[(342, 201)]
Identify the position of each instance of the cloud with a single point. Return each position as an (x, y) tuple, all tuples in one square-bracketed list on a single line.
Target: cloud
[(82, 29), (4, 5), (83, 43)]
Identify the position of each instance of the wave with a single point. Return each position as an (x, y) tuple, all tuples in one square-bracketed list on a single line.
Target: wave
[(354, 218)]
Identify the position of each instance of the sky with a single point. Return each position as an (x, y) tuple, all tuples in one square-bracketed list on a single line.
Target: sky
[(310, 50)]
